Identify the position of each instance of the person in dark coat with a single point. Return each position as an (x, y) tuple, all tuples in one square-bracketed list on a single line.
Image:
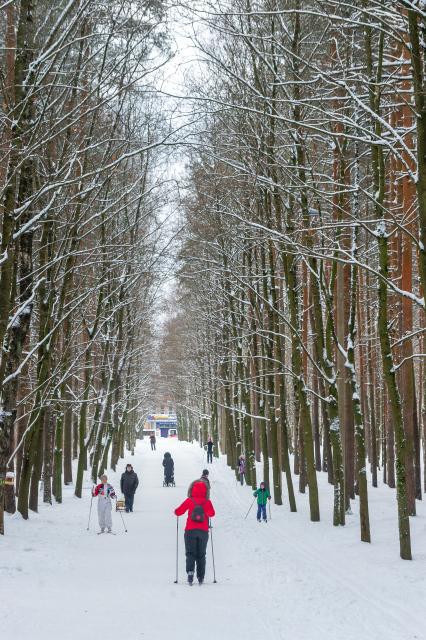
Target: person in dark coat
[(153, 440), (129, 483), (169, 468), (205, 478), (210, 445), (200, 510)]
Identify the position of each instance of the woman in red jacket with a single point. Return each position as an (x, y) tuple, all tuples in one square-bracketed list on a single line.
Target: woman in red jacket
[(200, 509)]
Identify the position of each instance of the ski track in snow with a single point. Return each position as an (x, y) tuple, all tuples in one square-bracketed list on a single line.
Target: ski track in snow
[(288, 579)]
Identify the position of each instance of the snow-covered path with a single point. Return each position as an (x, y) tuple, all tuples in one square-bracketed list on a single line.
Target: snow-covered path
[(287, 579)]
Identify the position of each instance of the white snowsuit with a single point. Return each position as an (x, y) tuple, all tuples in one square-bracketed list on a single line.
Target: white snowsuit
[(105, 506), (104, 512)]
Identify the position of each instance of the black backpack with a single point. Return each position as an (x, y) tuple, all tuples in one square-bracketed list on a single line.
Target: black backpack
[(197, 514)]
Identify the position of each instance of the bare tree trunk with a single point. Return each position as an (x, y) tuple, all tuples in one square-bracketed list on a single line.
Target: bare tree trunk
[(49, 433)]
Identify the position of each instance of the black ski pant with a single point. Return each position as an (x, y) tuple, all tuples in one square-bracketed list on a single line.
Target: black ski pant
[(152, 446), (209, 456), (128, 501), (195, 547)]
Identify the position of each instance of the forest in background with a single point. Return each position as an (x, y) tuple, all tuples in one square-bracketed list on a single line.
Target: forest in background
[(301, 313), (81, 188), (297, 325)]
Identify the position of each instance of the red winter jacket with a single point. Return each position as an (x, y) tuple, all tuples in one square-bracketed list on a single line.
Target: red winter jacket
[(198, 496)]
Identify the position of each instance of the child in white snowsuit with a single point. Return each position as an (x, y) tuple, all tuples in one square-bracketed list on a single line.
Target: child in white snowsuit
[(105, 493)]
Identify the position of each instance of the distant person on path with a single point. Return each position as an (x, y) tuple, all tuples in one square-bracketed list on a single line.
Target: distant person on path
[(199, 509), (105, 493), (242, 468), (169, 468), (129, 484), (205, 478), (262, 494), (153, 440), (210, 445)]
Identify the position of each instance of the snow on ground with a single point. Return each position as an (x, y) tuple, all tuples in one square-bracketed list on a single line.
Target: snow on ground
[(288, 579)]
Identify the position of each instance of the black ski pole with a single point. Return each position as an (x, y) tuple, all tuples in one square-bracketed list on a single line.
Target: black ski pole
[(122, 520), (214, 566), (177, 548), (90, 512), (250, 508)]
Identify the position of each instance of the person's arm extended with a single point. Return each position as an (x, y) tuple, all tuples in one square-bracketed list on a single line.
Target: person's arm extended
[(179, 511)]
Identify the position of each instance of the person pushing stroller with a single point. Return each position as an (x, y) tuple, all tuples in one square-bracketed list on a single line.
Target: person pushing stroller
[(169, 470)]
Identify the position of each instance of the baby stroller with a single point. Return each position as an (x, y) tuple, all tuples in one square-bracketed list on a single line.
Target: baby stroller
[(169, 481), (169, 471)]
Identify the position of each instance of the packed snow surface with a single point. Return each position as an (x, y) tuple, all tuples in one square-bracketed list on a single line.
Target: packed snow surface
[(288, 579)]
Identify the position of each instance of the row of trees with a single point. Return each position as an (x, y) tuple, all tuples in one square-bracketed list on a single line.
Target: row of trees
[(80, 140), (301, 313)]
